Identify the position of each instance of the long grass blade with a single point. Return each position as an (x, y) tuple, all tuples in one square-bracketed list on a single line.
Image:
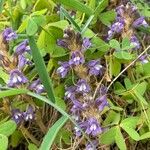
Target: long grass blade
[(41, 68), (70, 19), (52, 133)]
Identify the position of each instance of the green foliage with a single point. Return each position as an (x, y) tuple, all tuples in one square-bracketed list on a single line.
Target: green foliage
[(39, 63), (32, 147), (107, 17), (76, 5), (50, 136), (8, 128), (125, 120), (120, 141), (101, 6), (129, 125), (3, 142)]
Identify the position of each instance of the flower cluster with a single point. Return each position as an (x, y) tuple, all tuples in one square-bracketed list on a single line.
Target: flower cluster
[(9, 35), (19, 117), (86, 104), (125, 19), (17, 77)]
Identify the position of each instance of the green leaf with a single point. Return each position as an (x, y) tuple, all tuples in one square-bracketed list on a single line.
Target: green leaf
[(108, 137), (115, 66), (23, 26), (76, 5), (40, 12), (112, 118), (101, 6), (145, 136), (4, 75), (31, 27), (122, 55), (42, 4), (8, 128), (125, 42), (59, 90), (130, 122), (23, 4), (129, 125), (12, 92), (128, 83), (59, 24), (41, 68), (114, 44), (32, 146), (51, 134), (64, 135), (120, 141), (16, 138), (141, 88), (66, 14), (99, 44), (92, 4), (132, 133), (1, 5), (60, 102), (39, 20), (107, 17), (3, 142), (140, 98), (84, 28), (145, 13)]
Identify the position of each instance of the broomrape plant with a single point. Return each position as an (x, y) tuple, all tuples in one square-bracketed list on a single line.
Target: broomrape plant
[(74, 74)]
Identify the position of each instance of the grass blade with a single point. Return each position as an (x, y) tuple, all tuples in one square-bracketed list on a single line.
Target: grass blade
[(70, 19), (51, 134), (75, 4), (87, 24), (102, 5), (41, 68), (12, 92)]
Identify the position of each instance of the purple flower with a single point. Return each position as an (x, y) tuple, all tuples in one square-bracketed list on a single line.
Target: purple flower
[(70, 92), (103, 90), (82, 86), (94, 67), (77, 132), (37, 86), (101, 102), (9, 34), (144, 59), (22, 61), (133, 8), (140, 22), (90, 147), (29, 114), (22, 48), (116, 27), (135, 42), (62, 43), (120, 10), (16, 78), (76, 58), (91, 126), (17, 116), (63, 69), (77, 107), (86, 43)]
